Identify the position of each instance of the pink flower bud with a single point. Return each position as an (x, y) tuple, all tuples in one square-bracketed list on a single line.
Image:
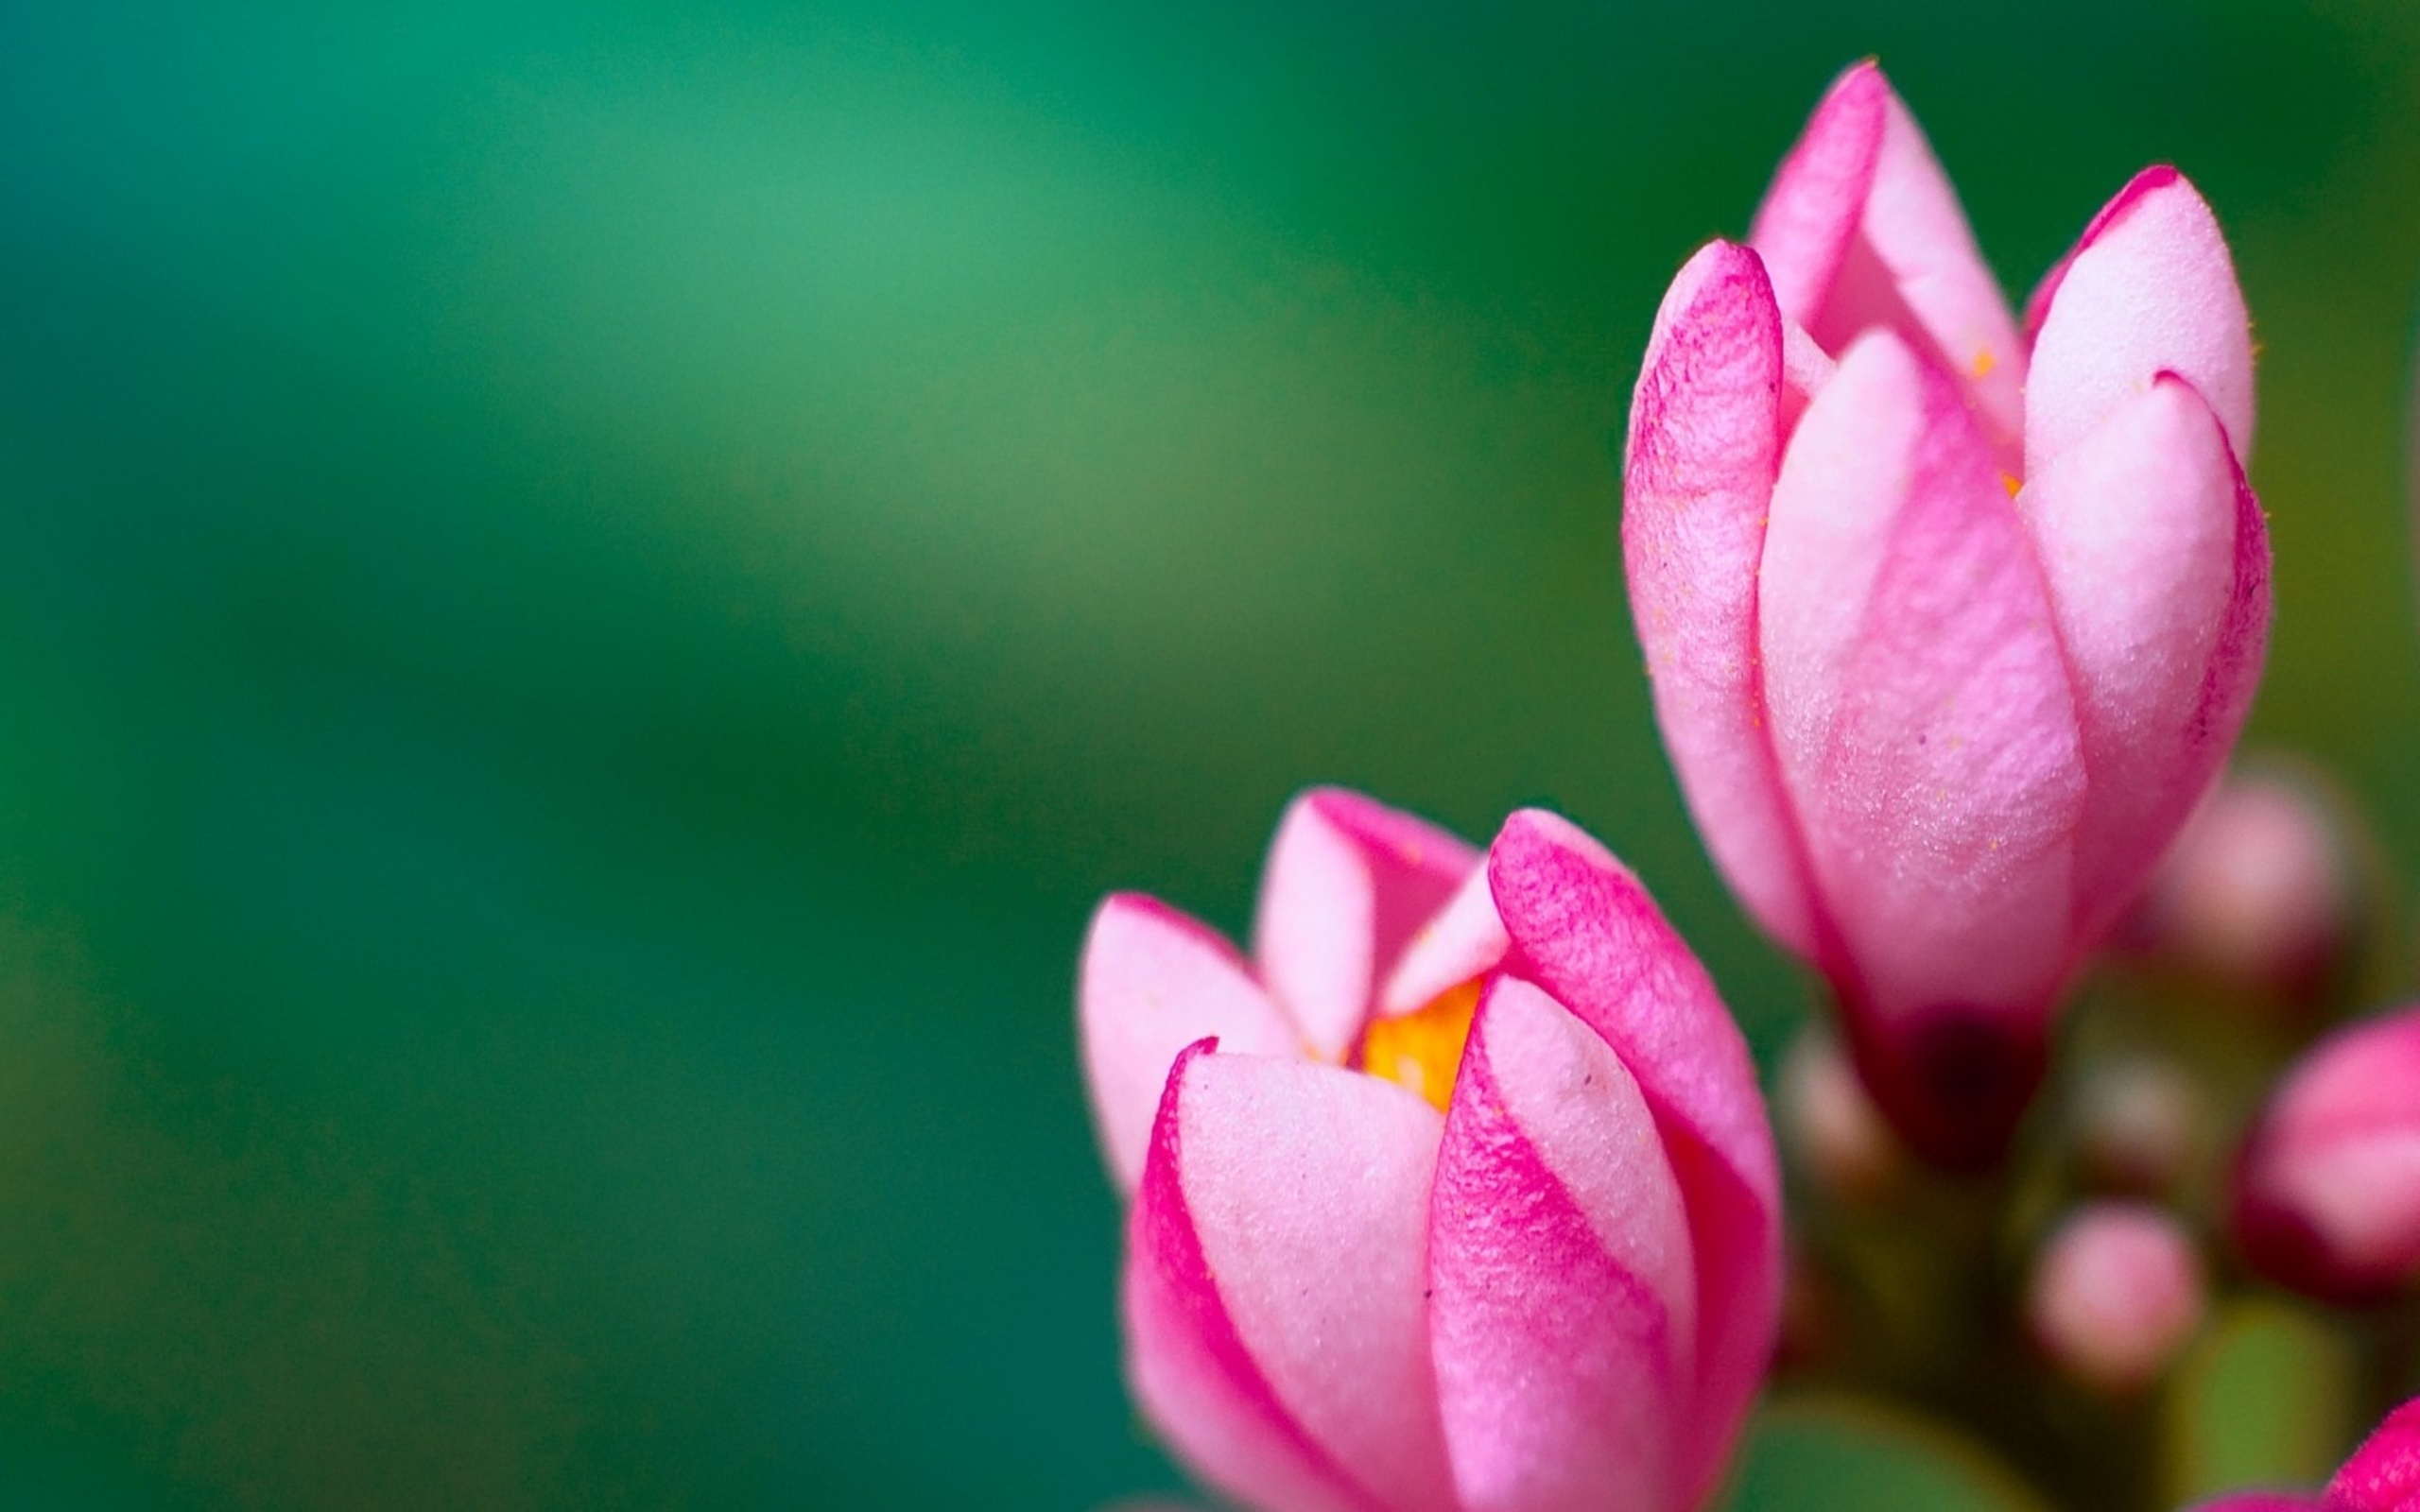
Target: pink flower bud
[(1460, 1196), (1950, 624), (2327, 1191), (2141, 1127), (2116, 1293), (1832, 1128), (2257, 894)]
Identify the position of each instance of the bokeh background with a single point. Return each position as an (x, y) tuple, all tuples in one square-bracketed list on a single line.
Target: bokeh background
[(589, 594)]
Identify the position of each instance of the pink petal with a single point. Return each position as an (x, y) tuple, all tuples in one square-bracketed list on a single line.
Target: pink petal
[(1804, 369), (1584, 930), (1564, 1312), (2383, 1475), (1922, 714), (1276, 1323), (1920, 704), (1349, 881), (1154, 982), (1919, 240), (1465, 940), (2157, 564), (1704, 442), (1863, 229), (1811, 213), (2149, 289)]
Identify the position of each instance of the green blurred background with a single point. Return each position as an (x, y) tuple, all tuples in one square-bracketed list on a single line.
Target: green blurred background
[(590, 595)]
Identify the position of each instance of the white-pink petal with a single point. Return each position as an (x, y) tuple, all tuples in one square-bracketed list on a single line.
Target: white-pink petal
[(1704, 446), (1919, 700), (1863, 229), (1564, 1302), (2141, 535), (1811, 211), (2149, 289), (1347, 884), (1153, 982), (1277, 1285), (1463, 942), (1920, 239), (1584, 931)]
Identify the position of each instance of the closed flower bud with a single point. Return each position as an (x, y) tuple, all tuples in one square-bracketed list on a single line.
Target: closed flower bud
[(1950, 621), (2140, 1126), (1830, 1126), (2327, 1190), (2259, 894), (2116, 1292)]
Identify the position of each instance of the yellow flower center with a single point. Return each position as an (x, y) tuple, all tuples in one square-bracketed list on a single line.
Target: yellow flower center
[(1422, 1049)]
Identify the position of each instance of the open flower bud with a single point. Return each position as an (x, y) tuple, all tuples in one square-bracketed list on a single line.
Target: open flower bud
[(2114, 1293), (2327, 1190), (1460, 1196), (1949, 622)]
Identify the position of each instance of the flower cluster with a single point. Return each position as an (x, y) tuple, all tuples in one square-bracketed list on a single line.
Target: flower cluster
[(1458, 1192)]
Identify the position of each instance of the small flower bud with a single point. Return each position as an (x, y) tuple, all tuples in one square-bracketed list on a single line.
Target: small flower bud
[(2259, 894), (2140, 1125), (2328, 1192), (2114, 1293), (1831, 1126)]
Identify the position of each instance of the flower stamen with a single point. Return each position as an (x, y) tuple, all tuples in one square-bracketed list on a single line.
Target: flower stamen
[(1421, 1050)]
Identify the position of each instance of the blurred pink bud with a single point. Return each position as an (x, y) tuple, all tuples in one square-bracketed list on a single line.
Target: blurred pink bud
[(1949, 622), (2257, 894), (1831, 1128), (2140, 1125), (2383, 1475), (2116, 1293), (1458, 1196), (2327, 1191)]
